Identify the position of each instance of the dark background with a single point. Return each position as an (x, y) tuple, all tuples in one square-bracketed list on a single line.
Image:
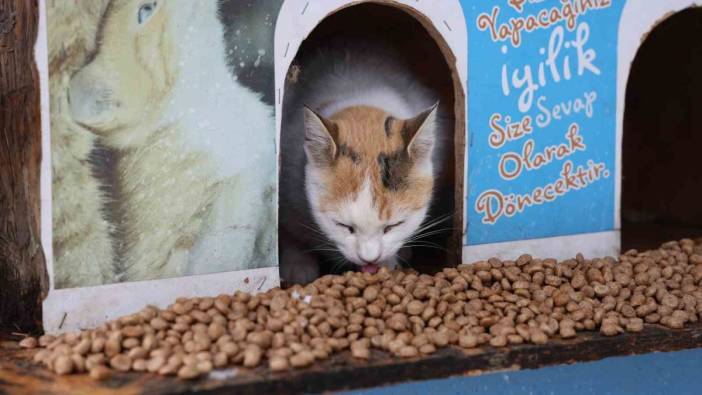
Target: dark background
[(662, 147), (249, 32)]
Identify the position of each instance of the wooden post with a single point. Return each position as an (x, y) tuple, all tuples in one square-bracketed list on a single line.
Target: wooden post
[(23, 276)]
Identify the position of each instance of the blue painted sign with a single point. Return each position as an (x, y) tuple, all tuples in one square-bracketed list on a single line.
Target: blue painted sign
[(541, 118)]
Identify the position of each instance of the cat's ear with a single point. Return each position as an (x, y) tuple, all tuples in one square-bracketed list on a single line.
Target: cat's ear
[(320, 134), (419, 134)]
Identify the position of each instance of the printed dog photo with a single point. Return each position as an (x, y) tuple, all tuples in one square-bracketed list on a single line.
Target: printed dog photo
[(162, 138)]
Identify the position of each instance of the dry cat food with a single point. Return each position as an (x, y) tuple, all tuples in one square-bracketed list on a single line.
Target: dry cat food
[(492, 302)]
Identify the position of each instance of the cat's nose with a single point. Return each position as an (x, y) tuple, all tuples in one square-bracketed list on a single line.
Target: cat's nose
[(369, 252), (368, 259)]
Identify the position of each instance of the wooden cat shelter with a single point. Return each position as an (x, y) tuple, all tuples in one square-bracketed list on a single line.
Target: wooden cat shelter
[(589, 220), (574, 80)]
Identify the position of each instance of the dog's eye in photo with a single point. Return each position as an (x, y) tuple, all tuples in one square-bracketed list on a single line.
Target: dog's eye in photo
[(145, 12)]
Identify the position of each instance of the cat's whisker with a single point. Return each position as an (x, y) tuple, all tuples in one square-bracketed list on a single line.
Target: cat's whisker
[(339, 265), (420, 241), (421, 244), (313, 229), (323, 245), (403, 262), (322, 241), (441, 217), (430, 233), (426, 226), (321, 250), (436, 247), (438, 219), (433, 223)]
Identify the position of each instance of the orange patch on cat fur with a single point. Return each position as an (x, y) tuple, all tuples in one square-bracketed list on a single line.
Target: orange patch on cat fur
[(364, 137)]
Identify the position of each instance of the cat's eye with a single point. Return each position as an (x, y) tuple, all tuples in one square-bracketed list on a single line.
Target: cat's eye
[(145, 12), (390, 227), (347, 227)]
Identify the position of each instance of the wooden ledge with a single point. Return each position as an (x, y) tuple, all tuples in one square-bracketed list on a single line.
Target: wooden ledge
[(18, 375)]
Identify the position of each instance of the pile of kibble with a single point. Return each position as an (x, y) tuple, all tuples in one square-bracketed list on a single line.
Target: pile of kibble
[(405, 313)]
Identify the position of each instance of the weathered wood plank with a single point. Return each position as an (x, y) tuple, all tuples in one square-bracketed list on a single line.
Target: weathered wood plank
[(19, 376), (23, 277)]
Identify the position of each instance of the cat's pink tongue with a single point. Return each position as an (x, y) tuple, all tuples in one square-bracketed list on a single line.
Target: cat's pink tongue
[(371, 268)]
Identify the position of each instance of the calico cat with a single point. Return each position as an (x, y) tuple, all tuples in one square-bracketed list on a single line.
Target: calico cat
[(362, 142)]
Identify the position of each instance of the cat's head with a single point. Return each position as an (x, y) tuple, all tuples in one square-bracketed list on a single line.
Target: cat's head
[(369, 179)]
